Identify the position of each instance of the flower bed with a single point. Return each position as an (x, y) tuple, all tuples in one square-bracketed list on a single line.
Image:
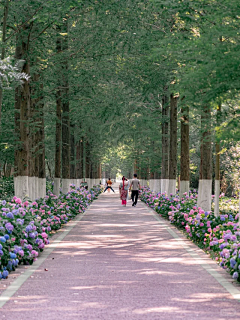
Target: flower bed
[(25, 227), (220, 236)]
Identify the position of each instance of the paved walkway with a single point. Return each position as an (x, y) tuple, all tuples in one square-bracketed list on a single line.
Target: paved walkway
[(121, 263)]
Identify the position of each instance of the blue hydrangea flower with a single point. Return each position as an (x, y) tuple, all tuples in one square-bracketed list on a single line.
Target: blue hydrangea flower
[(6, 236), (5, 274), (235, 275), (2, 239), (10, 215), (12, 255), (9, 265), (14, 263)]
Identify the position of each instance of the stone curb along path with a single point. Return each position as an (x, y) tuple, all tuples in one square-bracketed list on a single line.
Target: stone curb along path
[(121, 263)]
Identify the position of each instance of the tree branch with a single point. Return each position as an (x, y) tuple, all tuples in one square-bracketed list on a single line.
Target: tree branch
[(23, 25), (42, 32)]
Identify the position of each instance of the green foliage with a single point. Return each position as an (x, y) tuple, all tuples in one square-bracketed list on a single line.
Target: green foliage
[(121, 56), (6, 188)]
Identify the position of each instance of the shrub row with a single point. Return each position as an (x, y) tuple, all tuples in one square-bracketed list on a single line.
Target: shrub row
[(220, 236)]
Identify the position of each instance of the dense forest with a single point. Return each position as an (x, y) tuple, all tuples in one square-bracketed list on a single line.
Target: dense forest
[(91, 89)]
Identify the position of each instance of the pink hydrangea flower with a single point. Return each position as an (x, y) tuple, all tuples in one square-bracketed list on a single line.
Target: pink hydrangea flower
[(18, 200), (44, 235)]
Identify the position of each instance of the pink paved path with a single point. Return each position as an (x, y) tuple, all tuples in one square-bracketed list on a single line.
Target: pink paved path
[(120, 263)]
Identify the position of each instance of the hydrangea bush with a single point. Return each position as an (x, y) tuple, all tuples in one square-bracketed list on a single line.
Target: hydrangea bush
[(218, 235), (25, 227)]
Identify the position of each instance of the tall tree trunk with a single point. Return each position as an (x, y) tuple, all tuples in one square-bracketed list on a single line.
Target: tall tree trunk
[(205, 181), (58, 138), (152, 168), (95, 170), (91, 173), (81, 167), (33, 136), (79, 164), (100, 173), (87, 165), (65, 148), (65, 115), (217, 167), (22, 107), (104, 174), (41, 157), (58, 146), (72, 155), (136, 166), (165, 144), (5, 16), (8, 170), (156, 176), (173, 145), (185, 162)]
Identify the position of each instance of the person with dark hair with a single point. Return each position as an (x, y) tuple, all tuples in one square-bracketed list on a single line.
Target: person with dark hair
[(109, 185), (135, 186), (123, 190)]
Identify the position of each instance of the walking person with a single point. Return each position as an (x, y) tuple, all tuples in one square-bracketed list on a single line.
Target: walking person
[(135, 186), (123, 190), (109, 185)]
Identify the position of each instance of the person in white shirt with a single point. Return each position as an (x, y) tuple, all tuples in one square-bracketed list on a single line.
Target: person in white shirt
[(135, 186)]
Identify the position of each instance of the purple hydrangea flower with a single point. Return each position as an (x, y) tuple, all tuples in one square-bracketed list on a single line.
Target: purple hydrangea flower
[(232, 262), (9, 226), (20, 221), (227, 236), (29, 228), (32, 235)]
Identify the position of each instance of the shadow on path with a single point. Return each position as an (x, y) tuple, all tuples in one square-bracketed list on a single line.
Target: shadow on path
[(120, 263)]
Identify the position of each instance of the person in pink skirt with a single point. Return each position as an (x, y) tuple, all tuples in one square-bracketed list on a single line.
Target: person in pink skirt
[(123, 191)]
